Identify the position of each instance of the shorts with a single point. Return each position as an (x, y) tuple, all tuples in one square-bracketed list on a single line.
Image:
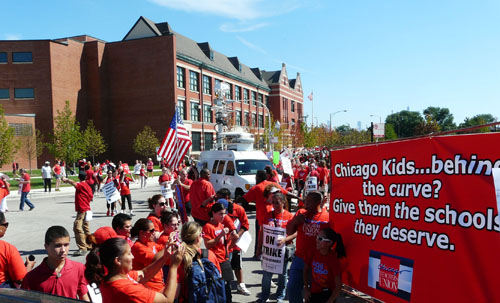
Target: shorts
[(236, 260), (57, 176), (150, 170)]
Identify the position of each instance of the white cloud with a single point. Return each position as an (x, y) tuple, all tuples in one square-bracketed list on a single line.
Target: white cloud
[(241, 27), (12, 36), (233, 9), (251, 45)]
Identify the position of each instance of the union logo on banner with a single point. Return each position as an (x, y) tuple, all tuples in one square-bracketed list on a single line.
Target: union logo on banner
[(391, 274)]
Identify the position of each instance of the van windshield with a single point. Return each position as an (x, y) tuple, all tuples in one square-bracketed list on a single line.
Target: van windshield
[(250, 167)]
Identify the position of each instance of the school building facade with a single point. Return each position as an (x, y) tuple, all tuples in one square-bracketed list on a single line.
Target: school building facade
[(124, 85)]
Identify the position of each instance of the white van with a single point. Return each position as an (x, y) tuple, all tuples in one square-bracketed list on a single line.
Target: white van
[(234, 170)]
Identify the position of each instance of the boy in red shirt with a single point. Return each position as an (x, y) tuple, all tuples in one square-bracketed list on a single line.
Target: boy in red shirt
[(202, 195), (57, 274), (83, 196), (125, 192), (25, 185)]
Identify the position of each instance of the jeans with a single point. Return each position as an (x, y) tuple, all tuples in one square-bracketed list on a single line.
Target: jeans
[(266, 285), (24, 199), (296, 281)]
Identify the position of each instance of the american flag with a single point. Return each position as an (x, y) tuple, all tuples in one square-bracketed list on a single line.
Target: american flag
[(176, 142), (310, 97)]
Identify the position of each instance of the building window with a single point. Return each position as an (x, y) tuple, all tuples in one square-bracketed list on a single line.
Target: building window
[(254, 98), (260, 100), (209, 141), (207, 113), (180, 77), (181, 106), (207, 85), (193, 81), (245, 96), (292, 106), (22, 129), (195, 111), (238, 118), (3, 58), (267, 101), (229, 94), (22, 57), (24, 93), (247, 119), (261, 121), (237, 93), (254, 120), (4, 93), (196, 141), (216, 84)]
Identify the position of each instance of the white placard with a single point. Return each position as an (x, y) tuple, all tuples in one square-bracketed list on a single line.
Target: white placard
[(378, 130), (244, 241), (312, 184), (496, 180), (167, 192), (111, 192), (287, 166), (273, 256)]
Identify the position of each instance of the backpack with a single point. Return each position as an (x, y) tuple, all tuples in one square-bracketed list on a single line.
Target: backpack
[(205, 282)]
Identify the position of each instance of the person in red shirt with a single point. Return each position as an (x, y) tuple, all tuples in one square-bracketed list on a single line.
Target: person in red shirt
[(256, 194), (165, 181), (125, 192), (110, 267), (149, 167), (191, 234), (171, 234), (271, 174), (25, 185), (90, 178), (111, 177), (12, 268), (322, 270), (239, 218), (4, 192), (83, 196), (57, 174), (185, 184), (278, 217), (202, 197), (58, 275), (158, 204), (216, 236), (122, 224), (144, 178), (307, 223), (145, 251)]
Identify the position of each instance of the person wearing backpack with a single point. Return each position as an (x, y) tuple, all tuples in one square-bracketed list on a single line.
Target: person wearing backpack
[(193, 277)]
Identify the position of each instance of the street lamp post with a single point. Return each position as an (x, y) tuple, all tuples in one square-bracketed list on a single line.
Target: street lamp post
[(379, 118), (333, 114)]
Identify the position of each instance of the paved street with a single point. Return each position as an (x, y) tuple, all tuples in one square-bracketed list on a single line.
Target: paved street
[(27, 229)]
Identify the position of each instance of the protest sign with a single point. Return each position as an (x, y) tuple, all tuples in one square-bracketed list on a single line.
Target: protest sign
[(273, 257), (312, 184), (110, 192), (419, 218), (276, 158), (287, 166)]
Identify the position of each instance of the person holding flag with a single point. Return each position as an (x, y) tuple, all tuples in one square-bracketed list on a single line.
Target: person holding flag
[(176, 142)]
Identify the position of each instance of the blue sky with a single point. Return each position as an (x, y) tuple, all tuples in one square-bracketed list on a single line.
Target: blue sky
[(370, 57)]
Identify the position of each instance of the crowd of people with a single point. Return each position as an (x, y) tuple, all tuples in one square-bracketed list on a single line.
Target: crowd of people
[(186, 249)]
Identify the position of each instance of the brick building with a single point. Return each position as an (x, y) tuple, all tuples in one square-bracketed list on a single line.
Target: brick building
[(125, 85)]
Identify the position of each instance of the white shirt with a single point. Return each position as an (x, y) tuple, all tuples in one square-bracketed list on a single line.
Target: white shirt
[(46, 172)]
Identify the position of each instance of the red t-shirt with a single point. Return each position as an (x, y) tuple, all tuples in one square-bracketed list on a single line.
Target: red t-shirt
[(57, 169), (200, 191), (11, 264), (164, 178), (89, 177), (27, 186), (83, 196), (210, 232), (69, 283), (125, 186), (150, 165), (323, 270), (185, 192), (126, 290), (143, 256), (141, 172), (156, 222), (256, 194), (307, 232), (278, 220)]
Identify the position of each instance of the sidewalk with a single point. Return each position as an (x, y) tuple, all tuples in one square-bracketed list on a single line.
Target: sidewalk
[(70, 190)]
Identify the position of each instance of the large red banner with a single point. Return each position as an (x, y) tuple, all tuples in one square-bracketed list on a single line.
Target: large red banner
[(419, 218)]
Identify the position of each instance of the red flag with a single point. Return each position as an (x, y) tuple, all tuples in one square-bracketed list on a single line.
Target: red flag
[(175, 143), (310, 97)]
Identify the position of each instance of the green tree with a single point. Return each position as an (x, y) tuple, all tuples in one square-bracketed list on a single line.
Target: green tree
[(427, 127), (8, 143), (405, 122), (390, 133), (66, 139), (31, 142), (146, 142), (93, 142), (442, 116), (478, 120)]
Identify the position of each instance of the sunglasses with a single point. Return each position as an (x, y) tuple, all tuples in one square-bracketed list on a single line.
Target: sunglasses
[(161, 204), (151, 230), (321, 239), (6, 224)]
